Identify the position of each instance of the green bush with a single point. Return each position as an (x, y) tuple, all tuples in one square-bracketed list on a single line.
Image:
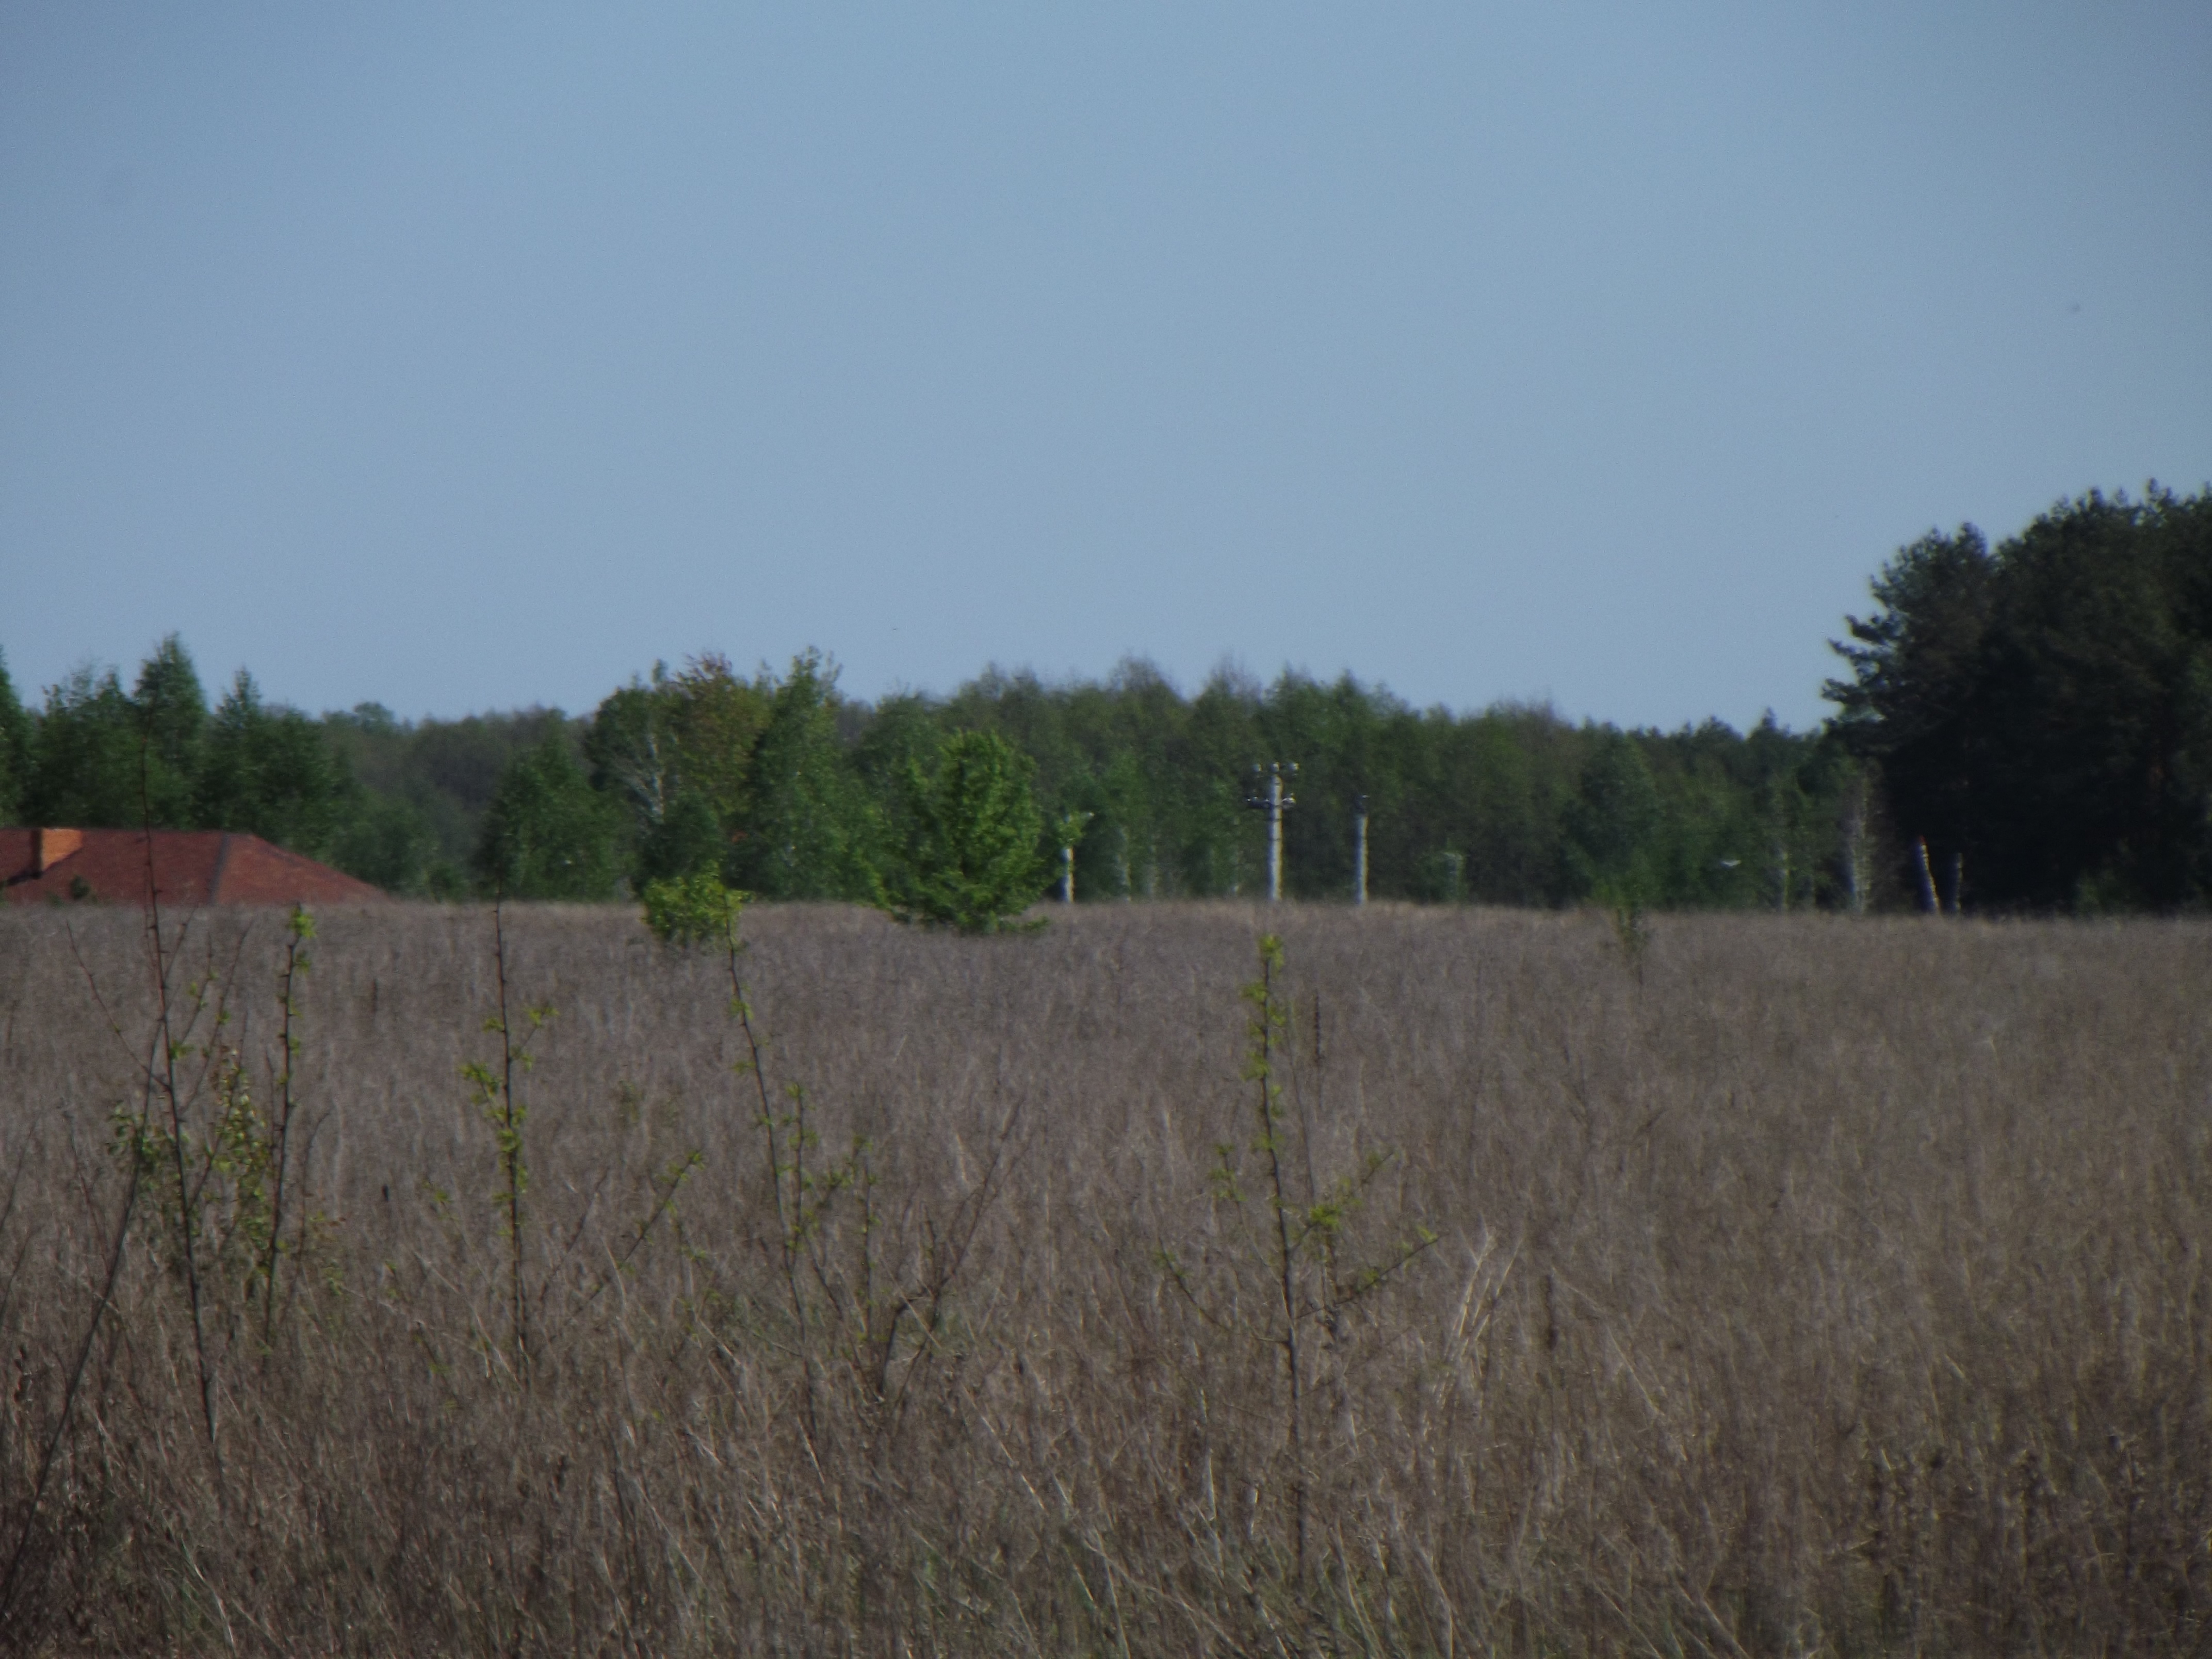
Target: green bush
[(968, 855)]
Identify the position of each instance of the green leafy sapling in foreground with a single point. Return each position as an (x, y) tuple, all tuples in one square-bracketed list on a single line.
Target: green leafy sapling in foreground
[(492, 1092), (214, 1157), (1297, 1240), (299, 933), (699, 911), (864, 1309)]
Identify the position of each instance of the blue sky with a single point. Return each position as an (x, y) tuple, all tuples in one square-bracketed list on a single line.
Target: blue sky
[(465, 357)]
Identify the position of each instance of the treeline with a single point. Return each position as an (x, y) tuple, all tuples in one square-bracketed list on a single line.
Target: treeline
[(396, 804), (2039, 714), (793, 790), (2023, 727)]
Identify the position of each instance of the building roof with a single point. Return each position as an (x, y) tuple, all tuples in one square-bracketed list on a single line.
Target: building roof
[(188, 867)]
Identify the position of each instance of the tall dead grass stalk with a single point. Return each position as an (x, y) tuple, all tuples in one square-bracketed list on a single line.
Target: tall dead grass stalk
[(1804, 1285)]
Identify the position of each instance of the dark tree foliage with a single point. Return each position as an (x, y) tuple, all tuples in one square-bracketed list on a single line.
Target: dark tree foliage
[(2041, 714), (686, 840), (15, 747), (1460, 807), (806, 830), (97, 758), (269, 771), (426, 787), (388, 839), (675, 753), (172, 711), (547, 833), (1614, 822), (98, 761), (1914, 701), (782, 785)]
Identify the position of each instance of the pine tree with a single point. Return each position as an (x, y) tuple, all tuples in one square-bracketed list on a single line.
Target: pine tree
[(970, 857)]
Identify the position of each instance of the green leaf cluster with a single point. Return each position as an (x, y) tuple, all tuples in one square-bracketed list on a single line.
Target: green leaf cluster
[(692, 909), (548, 834), (968, 853)]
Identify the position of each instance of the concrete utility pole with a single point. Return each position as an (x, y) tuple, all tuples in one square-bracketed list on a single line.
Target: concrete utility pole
[(1070, 830), (1855, 881), (1274, 802), (1359, 849)]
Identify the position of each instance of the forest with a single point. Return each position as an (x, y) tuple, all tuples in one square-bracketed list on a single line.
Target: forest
[(2021, 728)]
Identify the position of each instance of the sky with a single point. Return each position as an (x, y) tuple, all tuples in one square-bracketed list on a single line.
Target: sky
[(461, 358)]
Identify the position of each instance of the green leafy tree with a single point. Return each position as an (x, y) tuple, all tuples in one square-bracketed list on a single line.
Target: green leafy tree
[(390, 834), (631, 748), (15, 747), (1471, 806), (687, 840), (676, 751), (548, 835), (1222, 843), (388, 839), (969, 858), (425, 789), (100, 759), (85, 757), (901, 731), (718, 720), (805, 831), (2090, 777), (271, 772), (2042, 713), (1913, 703), (1613, 823), (172, 714)]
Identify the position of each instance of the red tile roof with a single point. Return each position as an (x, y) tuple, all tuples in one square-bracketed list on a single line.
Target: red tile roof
[(189, 867)]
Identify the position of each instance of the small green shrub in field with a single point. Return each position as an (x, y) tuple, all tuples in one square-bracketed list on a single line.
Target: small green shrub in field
[(1292, 1235), (1632, 921), (969, 858), (692, 909)]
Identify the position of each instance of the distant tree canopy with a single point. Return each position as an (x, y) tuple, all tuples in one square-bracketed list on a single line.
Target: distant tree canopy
[(14, 746), (548, 834), (269, 771), (2039, 714), (938, 807), (399, 805)]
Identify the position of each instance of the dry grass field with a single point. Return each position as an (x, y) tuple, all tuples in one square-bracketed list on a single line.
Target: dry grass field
[(1805, 1286)]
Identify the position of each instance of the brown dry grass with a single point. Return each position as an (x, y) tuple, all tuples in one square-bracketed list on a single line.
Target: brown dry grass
[(1833, 1287)]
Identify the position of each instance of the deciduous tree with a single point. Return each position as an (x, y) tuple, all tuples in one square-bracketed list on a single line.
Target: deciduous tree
[(970, 857), (548, 834)]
